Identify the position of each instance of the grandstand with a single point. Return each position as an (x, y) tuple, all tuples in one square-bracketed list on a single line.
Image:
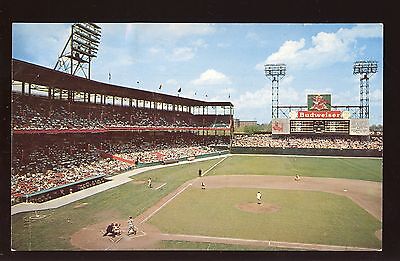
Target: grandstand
[(68, 131)]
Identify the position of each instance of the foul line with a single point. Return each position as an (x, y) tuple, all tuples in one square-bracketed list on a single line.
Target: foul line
[(155, 211), (269, 242), (162, 185), (213, 166)]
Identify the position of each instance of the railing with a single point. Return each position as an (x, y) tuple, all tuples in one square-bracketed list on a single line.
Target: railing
[(111, 129)]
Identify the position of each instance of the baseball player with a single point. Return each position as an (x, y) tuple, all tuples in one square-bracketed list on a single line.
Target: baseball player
[(131, 227), (259, 197)]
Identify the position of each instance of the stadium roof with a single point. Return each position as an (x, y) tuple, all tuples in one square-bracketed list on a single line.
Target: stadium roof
[(31, 73)]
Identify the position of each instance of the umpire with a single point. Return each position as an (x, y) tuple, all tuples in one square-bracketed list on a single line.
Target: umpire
[(199, 172)]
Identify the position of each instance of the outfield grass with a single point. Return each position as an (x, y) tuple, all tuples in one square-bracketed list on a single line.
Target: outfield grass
[(187, 245), (351, 168), (305, 216), (130, 199)]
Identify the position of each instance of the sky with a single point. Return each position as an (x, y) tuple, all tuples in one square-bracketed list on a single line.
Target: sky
[(224, 61)]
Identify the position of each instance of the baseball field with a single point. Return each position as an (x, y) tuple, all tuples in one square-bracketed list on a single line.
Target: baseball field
[(336, 205)]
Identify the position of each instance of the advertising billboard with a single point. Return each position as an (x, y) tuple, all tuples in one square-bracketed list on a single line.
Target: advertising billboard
[(319, 114), (319, 102), (359, 127), (281, 126)]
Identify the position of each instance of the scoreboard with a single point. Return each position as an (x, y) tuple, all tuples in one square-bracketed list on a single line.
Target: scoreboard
[(320, 119), (314, 126), (320, 126)]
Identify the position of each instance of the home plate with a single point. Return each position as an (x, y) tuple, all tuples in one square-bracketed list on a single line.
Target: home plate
[(345, 190)]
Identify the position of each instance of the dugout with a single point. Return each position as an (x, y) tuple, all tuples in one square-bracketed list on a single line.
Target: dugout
[(52, 193)]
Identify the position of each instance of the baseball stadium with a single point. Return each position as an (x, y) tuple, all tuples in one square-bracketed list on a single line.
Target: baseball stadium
[(97, 166)]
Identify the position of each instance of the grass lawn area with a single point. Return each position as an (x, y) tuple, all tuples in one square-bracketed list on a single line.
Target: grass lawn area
[(187, 245), (351, 168), (53, 231), (304, 216)]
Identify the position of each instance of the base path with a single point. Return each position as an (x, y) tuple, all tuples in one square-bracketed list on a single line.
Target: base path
[(366, 194)]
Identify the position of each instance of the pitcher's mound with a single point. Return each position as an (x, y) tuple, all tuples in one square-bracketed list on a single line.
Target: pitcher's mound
[(258, 208)]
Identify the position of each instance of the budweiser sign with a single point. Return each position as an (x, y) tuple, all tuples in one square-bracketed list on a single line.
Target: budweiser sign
[(319, 114)]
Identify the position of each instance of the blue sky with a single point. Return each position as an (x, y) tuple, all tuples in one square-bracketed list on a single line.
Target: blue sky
[(223, 59)]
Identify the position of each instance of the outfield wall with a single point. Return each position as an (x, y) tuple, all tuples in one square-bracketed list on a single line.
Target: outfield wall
[(307, 152)]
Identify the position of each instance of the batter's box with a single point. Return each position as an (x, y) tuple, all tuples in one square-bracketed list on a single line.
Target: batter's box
[(138, 234), (116, 239)]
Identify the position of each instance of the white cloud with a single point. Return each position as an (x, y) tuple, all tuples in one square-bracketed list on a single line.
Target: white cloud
[(252, 36), (361, 31), (326, 48), (376, 97), (261, 98), (171, 82), (258, 99), (212, 77), (199, 43), (154, 50), (176, 54), (181, 54), (42, 50), (287, 92), (287, 52), (227, 91)]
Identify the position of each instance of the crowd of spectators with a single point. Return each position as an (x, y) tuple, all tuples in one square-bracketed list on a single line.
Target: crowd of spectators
[(42, 113), (146, 149), (42, 172), (41, 165), (38, 166), (166, 154), (320, 142)]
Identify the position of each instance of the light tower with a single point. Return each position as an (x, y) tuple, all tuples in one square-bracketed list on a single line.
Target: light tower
[(365, 69), (80, 49), (275, 72)]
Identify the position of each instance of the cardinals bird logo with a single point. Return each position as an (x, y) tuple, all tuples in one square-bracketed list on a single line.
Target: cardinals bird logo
[(277, 126), (319, 103)]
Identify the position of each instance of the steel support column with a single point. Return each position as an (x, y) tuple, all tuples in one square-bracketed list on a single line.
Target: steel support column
[(364, 97)]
